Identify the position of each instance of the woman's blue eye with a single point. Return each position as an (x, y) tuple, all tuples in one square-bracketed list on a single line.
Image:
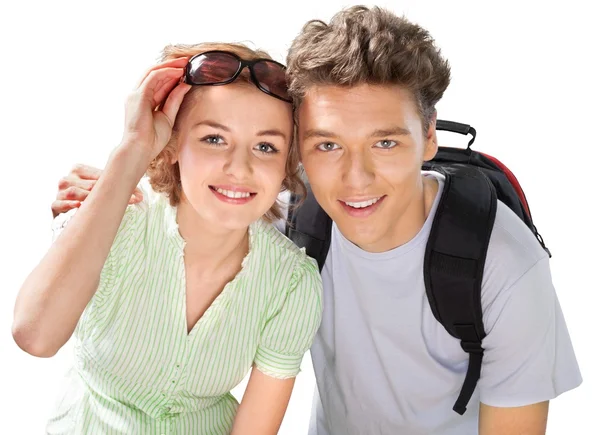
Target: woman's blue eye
[(266, 148), (213, 140)]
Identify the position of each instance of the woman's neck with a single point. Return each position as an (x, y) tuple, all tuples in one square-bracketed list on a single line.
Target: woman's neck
[(211, 248)]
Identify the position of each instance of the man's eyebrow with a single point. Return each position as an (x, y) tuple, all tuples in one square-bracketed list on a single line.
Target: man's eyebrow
[(316, 132), (392, 131), (381, 132)]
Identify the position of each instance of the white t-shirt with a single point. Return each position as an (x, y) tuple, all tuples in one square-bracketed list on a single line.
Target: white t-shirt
[(383, 363)]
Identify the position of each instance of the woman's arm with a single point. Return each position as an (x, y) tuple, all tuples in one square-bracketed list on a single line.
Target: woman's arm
[(284, 341), (263, 405), (56, 292)]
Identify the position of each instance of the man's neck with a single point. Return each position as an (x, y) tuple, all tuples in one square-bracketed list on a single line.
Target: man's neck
[(410, 223)]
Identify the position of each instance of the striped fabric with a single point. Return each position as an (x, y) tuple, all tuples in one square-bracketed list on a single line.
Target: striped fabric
[(138, 371)]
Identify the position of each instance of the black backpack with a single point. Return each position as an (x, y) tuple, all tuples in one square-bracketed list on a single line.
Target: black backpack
[(457, 246)]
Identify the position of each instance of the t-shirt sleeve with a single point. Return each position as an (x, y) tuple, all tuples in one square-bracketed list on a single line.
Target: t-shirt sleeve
[(289, 332), (528, 355)]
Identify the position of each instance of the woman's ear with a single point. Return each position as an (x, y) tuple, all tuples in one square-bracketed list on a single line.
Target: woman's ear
[(174, 143)]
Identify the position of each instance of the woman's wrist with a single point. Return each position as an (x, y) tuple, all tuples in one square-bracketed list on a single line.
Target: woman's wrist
[(132, 157)]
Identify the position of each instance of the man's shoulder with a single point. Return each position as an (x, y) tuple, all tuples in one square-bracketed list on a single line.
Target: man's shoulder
[(512, 252), (512, 243)]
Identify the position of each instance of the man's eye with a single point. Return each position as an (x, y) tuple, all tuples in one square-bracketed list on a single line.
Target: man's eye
[(386, 144), (328, 146)]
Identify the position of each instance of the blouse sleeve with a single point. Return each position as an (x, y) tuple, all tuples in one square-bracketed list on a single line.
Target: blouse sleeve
[(289, 333)]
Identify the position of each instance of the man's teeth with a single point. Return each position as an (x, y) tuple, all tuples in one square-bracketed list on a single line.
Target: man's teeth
[(362, 204), (232, 194)]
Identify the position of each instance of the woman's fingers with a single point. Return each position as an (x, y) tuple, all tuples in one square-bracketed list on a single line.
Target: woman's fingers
[(180, 62), (157, 85), (174, 100), (161, 94)]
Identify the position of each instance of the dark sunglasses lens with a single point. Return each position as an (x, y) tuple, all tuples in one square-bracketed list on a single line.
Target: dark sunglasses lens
[(271, 77), (211, 68)]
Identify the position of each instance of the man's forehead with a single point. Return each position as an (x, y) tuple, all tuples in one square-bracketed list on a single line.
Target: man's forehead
[(337, 107), (323, 94)]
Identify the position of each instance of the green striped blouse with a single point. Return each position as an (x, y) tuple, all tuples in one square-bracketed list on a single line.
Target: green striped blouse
[(137, 371)]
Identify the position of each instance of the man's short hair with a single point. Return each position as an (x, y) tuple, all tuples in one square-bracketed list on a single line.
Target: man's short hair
[(369, 45)]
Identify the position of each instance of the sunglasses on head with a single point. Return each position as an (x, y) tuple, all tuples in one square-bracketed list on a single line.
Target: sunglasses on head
[(222, 67)]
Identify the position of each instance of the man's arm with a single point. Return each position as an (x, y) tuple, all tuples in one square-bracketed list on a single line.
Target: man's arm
[(529, 359), (522, 420)]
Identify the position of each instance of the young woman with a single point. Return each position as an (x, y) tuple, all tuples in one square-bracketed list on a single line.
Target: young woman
[(172, 300)]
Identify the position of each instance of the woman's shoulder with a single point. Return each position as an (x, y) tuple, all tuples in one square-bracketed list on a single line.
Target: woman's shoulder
[(152, 202), (268, 237), (154, 215), (275, 248), (151, 198)]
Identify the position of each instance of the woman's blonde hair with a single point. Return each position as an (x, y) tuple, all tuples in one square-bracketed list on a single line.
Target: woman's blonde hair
[(164, 176)]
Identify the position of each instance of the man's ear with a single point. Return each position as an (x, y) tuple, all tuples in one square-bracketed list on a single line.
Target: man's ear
[(431, 143)]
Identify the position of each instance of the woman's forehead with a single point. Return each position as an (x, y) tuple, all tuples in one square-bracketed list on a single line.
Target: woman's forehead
[(237, 103)]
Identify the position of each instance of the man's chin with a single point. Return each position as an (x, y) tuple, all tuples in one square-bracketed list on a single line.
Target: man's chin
[(363, 234)]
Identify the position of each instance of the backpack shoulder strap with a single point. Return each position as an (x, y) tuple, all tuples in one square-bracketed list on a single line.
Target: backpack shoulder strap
[(454, 260), (310, 227)]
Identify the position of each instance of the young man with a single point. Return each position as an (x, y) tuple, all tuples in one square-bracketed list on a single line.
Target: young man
[(365, 87)]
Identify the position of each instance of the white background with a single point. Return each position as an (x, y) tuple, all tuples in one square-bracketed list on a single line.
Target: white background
[(525, 75)]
